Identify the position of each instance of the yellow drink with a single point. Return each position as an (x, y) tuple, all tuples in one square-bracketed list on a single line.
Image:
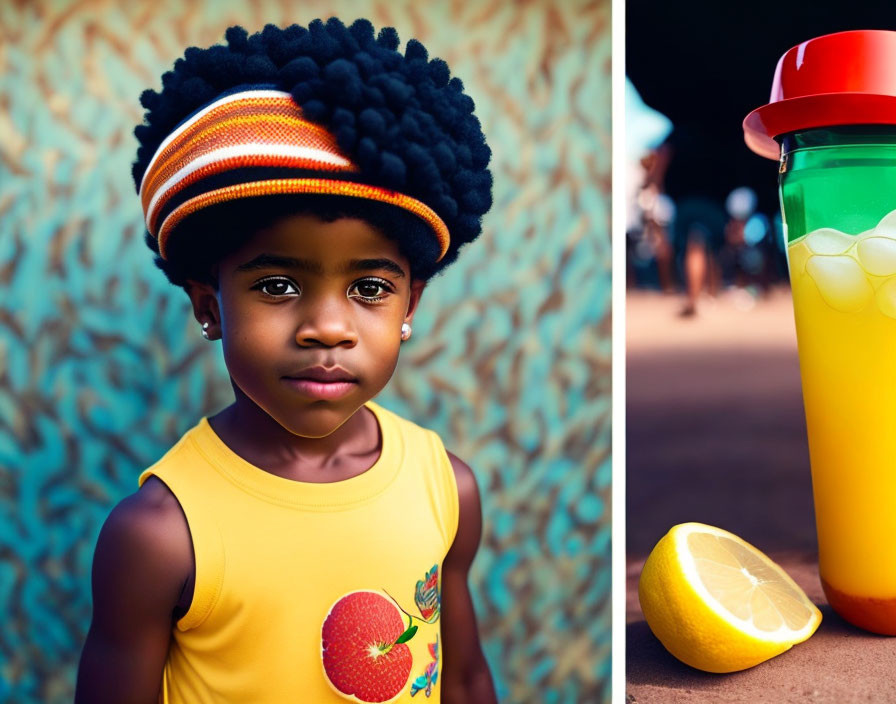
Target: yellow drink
[(844, 297)]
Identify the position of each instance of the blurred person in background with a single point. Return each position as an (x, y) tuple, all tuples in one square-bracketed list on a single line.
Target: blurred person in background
[(698, 231), (657, 211)]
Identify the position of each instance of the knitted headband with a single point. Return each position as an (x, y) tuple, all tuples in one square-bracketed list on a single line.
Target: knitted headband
[(248, 143)]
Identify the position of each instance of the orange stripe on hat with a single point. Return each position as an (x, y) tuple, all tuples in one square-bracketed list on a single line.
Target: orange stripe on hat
[(248, 129)]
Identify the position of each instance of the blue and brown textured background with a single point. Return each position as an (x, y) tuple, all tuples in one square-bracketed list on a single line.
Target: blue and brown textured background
[(103, 367)]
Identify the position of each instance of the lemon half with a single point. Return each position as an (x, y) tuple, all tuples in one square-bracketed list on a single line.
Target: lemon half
[(718, 604)]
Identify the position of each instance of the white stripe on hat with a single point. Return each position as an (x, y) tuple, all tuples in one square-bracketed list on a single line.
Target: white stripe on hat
[(249, 149)]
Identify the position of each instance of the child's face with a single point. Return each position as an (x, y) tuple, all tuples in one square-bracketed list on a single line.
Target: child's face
[(337, 297)]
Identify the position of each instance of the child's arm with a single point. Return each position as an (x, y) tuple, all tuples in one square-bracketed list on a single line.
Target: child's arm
[(142, 556), (465, 675)]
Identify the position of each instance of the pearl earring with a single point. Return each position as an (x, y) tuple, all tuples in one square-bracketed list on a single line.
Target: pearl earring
[(405, 331), (205, 329)]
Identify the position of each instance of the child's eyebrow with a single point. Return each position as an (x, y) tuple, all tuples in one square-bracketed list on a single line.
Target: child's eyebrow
[(269, 261)]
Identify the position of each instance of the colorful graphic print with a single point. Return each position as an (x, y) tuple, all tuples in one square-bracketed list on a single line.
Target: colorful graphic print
[(363, 643), (427, 596), (431, 675)]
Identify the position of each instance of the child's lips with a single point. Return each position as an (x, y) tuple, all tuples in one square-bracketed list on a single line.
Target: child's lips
[(323, 374), (322, 389)]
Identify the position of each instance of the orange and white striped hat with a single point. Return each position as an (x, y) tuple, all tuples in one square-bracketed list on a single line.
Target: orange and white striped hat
[(252, 143)]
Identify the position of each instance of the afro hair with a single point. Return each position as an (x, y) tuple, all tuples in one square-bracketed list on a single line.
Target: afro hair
[(402, 119)]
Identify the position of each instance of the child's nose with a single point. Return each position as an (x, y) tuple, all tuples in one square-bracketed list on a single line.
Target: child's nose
[(328, 323)]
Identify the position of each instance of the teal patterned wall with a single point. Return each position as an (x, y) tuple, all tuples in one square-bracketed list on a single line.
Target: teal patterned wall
[(102, 367)]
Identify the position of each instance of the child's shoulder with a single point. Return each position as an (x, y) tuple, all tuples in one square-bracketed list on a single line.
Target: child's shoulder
[(148, 514), (144, 551), (151, 518)]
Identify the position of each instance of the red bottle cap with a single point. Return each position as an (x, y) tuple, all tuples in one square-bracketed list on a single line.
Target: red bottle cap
[(847, 78)]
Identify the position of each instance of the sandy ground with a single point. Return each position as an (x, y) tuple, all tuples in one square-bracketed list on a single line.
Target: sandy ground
[(715, 424), (716, 433)]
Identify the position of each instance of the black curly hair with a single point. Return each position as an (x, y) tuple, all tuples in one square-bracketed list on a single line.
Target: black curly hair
[(401, 118)]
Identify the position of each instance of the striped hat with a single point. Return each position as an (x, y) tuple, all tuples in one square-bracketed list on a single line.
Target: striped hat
[(252, 142)]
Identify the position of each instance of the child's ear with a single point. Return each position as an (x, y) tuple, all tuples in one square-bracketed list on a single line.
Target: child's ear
[(417, 286), (204, 298)]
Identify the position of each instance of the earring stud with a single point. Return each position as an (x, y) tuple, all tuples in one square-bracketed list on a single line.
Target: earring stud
[(405, 331), (205, 329)]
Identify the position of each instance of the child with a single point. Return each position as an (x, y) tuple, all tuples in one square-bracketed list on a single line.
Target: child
[(304, 544)]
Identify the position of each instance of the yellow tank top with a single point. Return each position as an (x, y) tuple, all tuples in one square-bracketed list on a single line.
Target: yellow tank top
[(306, 592)]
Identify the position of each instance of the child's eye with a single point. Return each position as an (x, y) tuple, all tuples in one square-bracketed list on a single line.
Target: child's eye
[(370, 290), (276, 288)]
